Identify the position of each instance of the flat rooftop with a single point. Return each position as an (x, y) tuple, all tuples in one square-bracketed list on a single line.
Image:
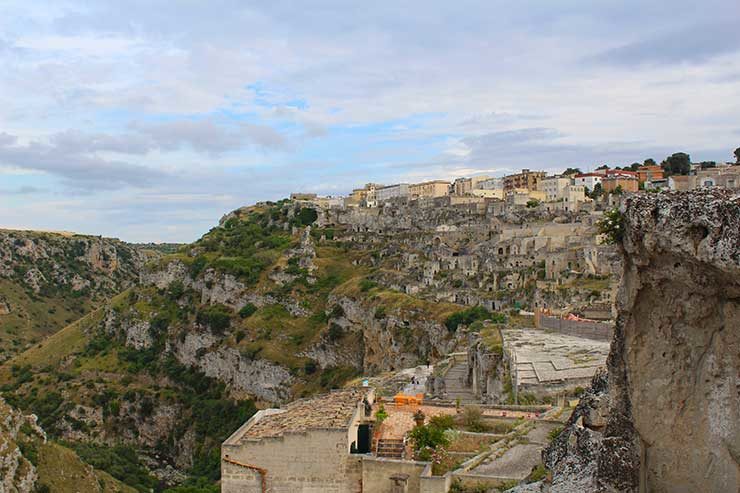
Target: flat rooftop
[(328, 411), (544, 357)]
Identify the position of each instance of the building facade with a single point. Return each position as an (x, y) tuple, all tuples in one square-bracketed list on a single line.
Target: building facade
[(553, 187), (588, 180), (392, 192), (649, 173), (429, 189), (464, 186), (526, 179), (610, 183)]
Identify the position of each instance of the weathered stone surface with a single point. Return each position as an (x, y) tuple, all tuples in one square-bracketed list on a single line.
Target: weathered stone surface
[(673, 420), (17, 473)]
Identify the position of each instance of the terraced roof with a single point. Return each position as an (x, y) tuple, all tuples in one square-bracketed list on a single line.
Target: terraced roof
[(328, 411)]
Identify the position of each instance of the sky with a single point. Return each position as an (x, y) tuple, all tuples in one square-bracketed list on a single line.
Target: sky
[(149, 120)]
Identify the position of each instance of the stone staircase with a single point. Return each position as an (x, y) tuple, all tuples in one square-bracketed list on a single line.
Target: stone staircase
[(455, 384), (390, 448)]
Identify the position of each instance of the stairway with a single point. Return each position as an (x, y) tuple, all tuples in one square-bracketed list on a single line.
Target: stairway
[(390, 448), (455, 384)]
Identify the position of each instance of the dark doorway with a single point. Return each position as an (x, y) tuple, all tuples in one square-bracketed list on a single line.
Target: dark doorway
[(363, 439)]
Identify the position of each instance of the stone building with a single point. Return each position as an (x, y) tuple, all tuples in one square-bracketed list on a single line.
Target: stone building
[(318, 445), (649, 173), (526, 179), (464, 186), (390, 192), (588, 180), (627, 183), (429, 189), (553, 187), (720, 176)]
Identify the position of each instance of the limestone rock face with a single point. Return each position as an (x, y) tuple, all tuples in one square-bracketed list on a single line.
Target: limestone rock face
[(672, 409), (17, 473), (675, 359), (54, 261)]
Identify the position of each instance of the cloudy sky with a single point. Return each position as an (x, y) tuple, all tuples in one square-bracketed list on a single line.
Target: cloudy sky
[(147, 120)]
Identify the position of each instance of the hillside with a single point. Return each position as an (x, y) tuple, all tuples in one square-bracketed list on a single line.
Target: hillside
[(49, 280), (279, 301), (29, 462), (262, 309)]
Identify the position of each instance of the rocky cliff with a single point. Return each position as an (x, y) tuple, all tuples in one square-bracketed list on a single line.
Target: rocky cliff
[(667, 418)]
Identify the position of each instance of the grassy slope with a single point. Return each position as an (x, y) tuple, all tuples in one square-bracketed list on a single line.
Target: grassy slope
[(33, 318), (62, 470)]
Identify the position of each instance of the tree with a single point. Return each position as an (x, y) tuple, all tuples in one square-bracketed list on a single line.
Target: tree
[(737, 155), (603, 166), (597, 192), (572, 171), (649, 162), (678, 163), (618, 190), (633, 166)]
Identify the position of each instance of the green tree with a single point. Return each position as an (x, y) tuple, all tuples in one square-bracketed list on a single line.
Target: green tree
[(603, 166), (633, 166), (678, 163), (737, 155), (649, 162), (597, 192), (572, 171)]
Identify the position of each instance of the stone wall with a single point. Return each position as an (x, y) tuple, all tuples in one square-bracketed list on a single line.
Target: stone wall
[(315, 460), (377, 472)]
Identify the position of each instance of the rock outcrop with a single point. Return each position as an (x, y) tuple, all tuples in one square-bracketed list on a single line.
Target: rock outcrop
[(669, 418), (17, 473)]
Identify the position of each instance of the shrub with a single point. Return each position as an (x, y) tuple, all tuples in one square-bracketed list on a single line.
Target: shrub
[(380, 415), (472, 418), (367, 285), (310, 367), (442, 421), (217, 317), (470, 315), (247, 310), (337, 311), (428, 436), (335, 332), (307, 215), (175, 290), (611, 226)]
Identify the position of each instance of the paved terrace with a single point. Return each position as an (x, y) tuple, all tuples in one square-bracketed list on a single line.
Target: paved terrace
[(542, 357)]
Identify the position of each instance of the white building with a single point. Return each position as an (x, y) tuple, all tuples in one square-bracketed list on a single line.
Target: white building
[(392, 192), (495, 183), (588, 180)]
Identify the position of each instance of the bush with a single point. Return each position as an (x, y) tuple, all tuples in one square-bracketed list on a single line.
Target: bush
[(472, 418), (428, 436), (247, 310), (307, 216), (470, 315), (337, 311), (335, 332), (367, 285), (611, 226), (380, 415), (217, 317), (175, 290)]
